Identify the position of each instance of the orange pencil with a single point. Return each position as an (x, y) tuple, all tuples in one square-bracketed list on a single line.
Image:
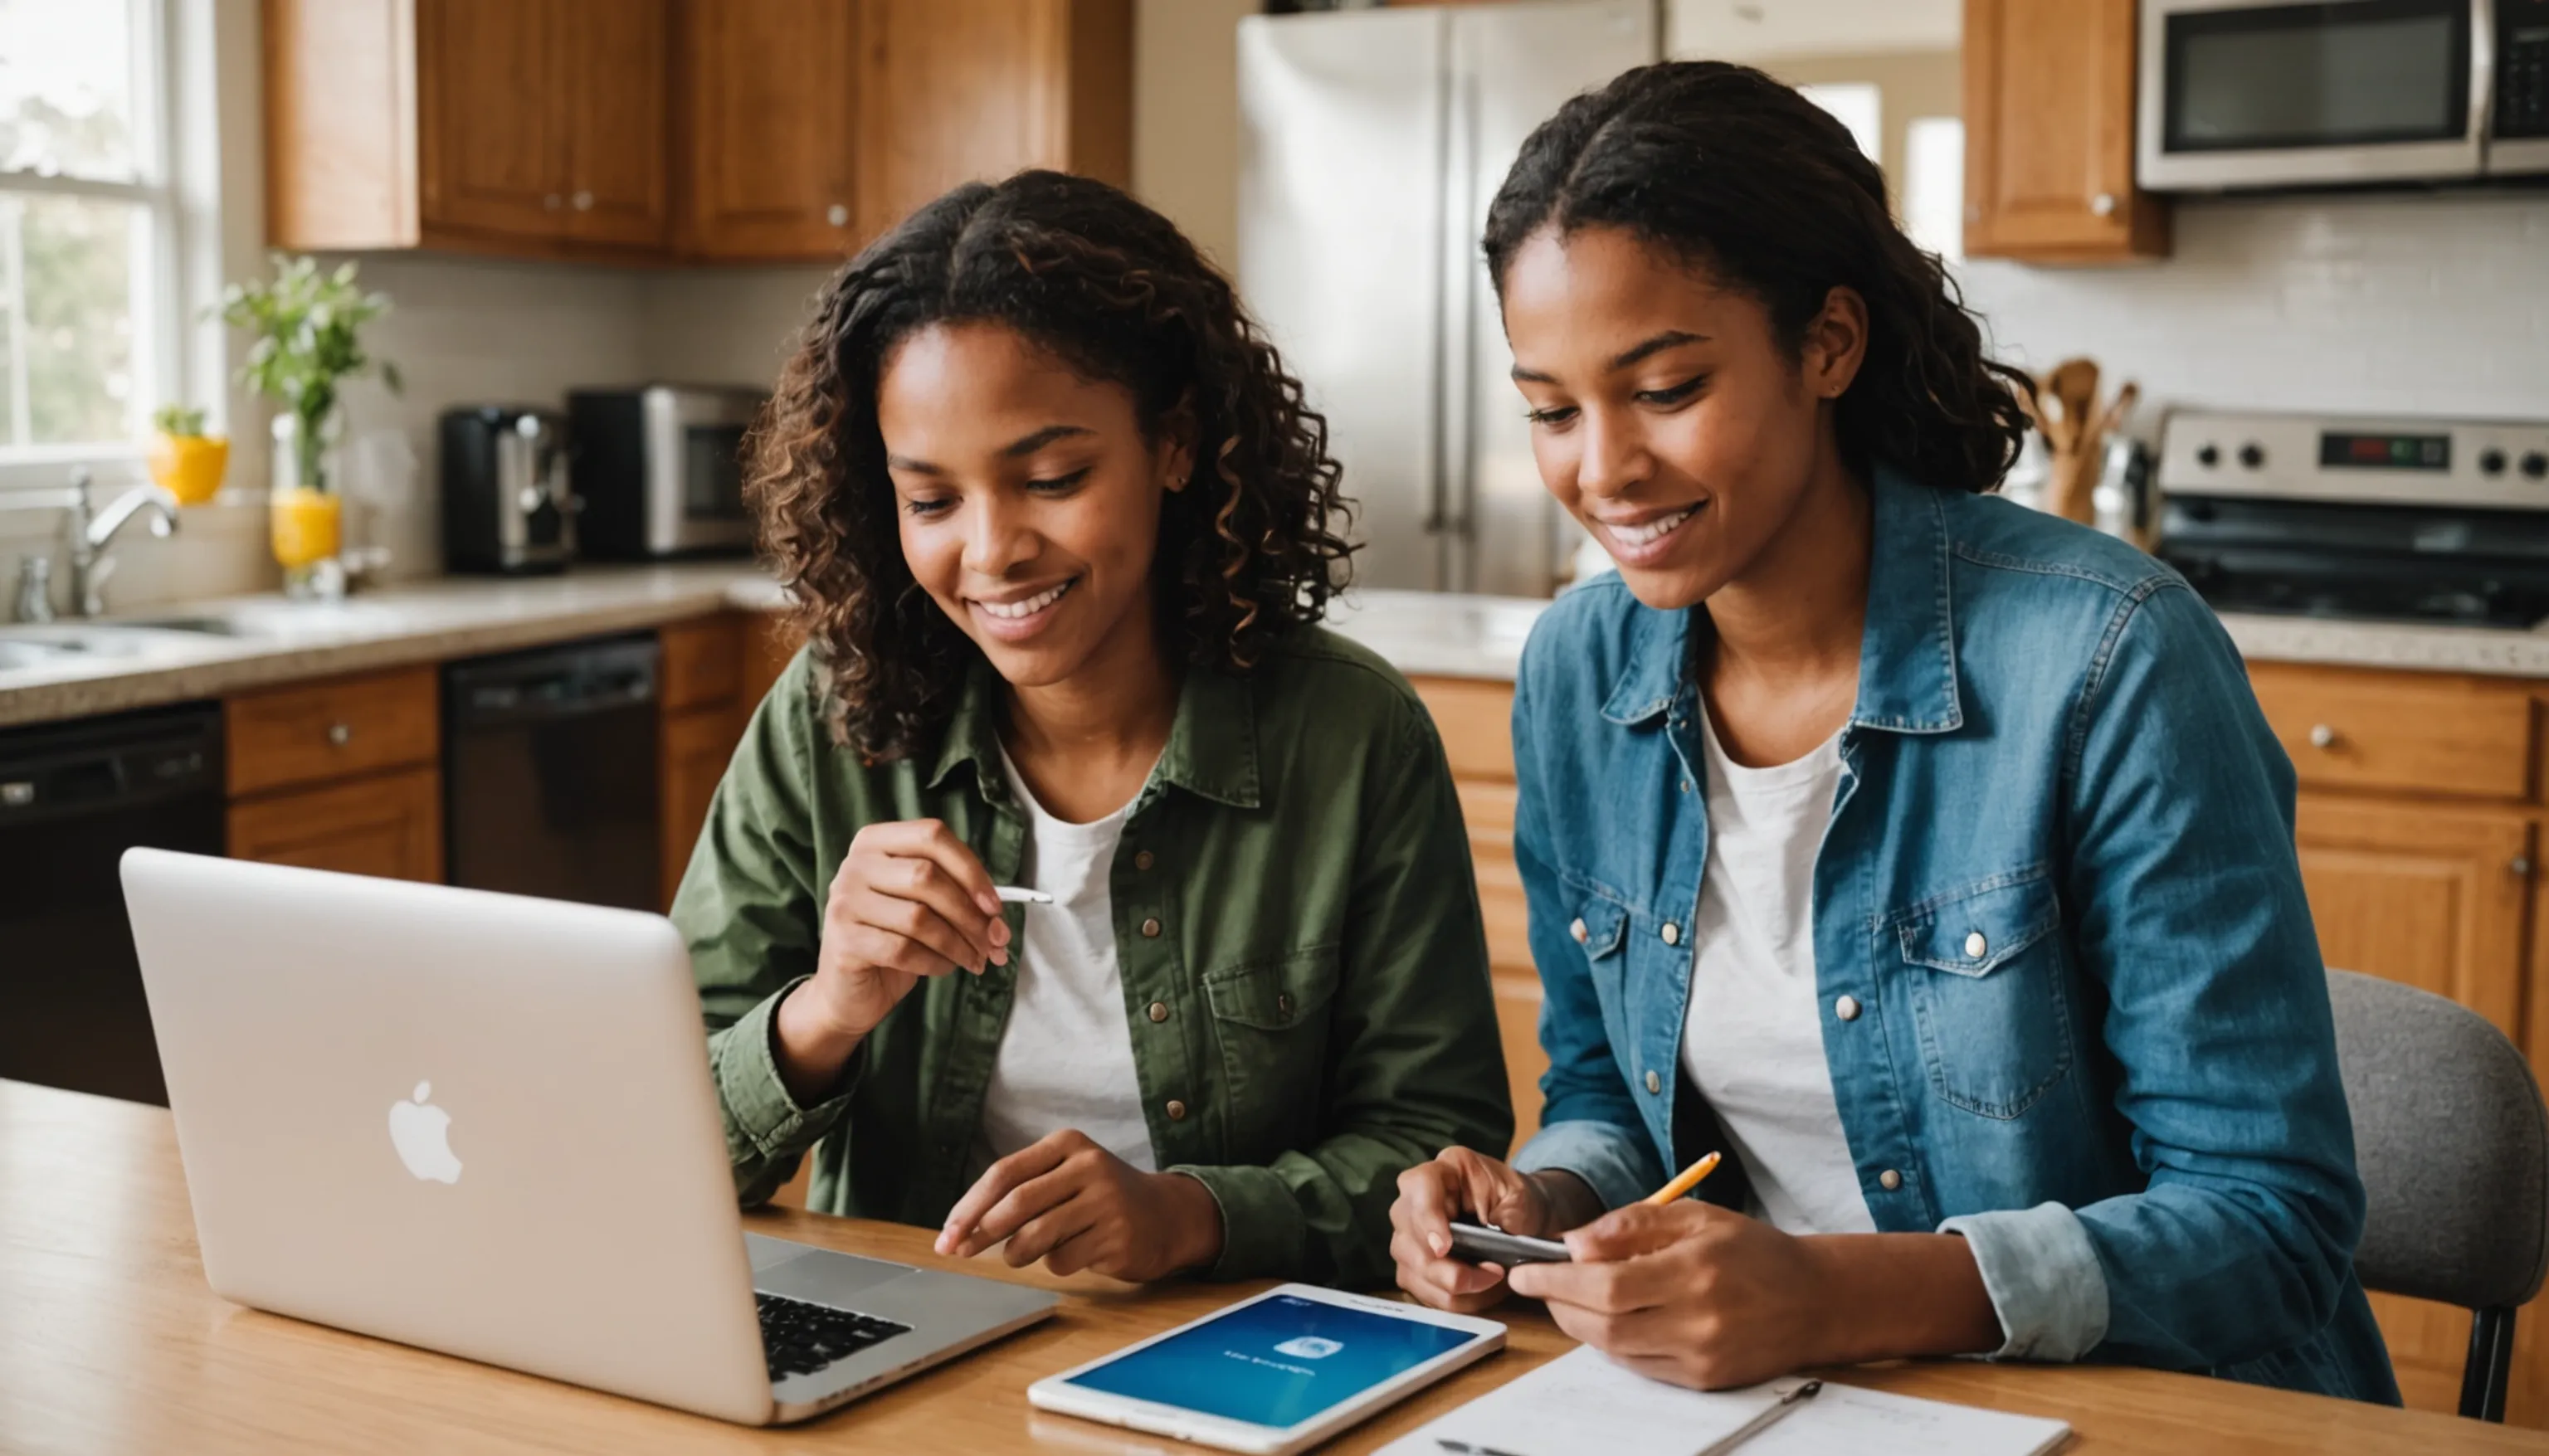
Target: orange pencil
[(1689, 1179)]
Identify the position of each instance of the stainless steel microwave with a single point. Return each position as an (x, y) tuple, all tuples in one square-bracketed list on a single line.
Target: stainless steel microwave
[(2308, 93), (660, 470)]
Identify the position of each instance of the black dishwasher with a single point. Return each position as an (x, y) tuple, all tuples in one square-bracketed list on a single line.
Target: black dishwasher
[(74, 798), (548, 778)]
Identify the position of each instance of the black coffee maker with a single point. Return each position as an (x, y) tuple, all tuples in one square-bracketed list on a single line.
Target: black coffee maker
[(508, 501)]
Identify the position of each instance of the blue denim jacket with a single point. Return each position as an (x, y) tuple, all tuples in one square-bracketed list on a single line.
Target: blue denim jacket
[(2092, 1032)]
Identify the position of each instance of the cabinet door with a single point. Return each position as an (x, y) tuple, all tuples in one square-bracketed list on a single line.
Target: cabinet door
[(2424, 894), (492, 76), (389, 825), (615, 139), (769, 94), (696, 747), (2050, 133), (2433, 897), (957, 91)]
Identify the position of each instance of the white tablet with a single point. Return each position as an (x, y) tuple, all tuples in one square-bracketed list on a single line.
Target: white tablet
[(1275, 1374)]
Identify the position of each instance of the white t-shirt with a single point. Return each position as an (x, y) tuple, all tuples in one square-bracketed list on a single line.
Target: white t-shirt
[(1753, 1038), (1065, 1059)]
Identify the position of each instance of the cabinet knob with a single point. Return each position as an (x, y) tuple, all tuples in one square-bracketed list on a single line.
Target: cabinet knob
[(340, 734), (1973, 213), (553, 202), (2104, 204), (2520, 867), (584, 202), (837, 215), (2322, 736)]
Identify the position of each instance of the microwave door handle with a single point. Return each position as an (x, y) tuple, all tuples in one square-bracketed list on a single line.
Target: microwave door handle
[(2481, 79)]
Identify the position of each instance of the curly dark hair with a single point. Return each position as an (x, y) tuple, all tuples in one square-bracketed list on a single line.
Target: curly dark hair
[(1741, 175), (1115, 291)]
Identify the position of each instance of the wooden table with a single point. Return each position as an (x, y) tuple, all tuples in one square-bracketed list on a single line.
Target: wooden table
[(111, 1342)]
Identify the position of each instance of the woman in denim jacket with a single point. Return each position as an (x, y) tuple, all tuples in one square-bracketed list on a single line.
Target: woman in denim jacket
[(1926, 854)]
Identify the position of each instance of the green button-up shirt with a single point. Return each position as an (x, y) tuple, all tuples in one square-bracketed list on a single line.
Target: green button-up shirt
[(1293, 892)]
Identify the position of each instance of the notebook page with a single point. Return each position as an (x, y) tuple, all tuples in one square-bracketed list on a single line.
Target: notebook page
[(1581, 1401)]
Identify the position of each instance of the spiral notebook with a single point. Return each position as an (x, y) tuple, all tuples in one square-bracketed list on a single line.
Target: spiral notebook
[(1581, 1401)]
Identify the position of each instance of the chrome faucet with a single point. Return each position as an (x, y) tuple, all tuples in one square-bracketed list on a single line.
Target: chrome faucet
[(91, 533)]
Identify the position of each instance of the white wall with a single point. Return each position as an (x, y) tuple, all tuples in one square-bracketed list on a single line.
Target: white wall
[(2419, 305)]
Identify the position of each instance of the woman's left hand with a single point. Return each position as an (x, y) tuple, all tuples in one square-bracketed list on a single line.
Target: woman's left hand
[(1689, 1292), (1075, 1206)]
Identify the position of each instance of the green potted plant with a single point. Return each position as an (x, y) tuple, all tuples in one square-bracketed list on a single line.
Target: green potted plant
[(308, 326)]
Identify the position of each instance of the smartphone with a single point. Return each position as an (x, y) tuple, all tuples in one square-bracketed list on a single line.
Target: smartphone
[(1495, 1247)]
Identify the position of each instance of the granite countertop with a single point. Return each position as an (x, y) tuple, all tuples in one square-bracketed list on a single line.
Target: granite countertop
[(1423, 633), (387, 627)]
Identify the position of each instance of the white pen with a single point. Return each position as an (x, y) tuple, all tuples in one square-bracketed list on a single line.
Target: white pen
[(1019, 894), (1763, 1422)]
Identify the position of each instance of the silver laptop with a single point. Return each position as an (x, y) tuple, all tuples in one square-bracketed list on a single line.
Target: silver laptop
[(483, 1123)]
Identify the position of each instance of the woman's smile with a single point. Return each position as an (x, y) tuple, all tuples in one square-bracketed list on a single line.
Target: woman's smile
[(1019, 614), (1650, 538)]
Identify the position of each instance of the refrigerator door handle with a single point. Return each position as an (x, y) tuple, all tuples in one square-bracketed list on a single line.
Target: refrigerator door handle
[(1465, 477)]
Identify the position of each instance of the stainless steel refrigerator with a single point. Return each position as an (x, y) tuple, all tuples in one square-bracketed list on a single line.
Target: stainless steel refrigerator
[(1372, 142)]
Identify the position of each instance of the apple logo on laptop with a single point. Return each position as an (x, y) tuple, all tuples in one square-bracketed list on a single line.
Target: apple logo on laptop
[(421, 1131), (1309, 1346)]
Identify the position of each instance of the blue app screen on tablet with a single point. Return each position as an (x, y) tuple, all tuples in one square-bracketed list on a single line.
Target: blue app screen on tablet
[(1276, 1362)]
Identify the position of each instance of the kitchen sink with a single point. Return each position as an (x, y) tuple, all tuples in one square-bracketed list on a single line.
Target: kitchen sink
[(70, 644)]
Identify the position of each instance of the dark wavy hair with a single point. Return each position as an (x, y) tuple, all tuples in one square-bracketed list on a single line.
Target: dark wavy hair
[(1743, 176), (1253, 548)]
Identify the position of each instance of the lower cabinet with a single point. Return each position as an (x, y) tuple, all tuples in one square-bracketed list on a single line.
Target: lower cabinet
[(697, 747), (388, 824), (342, 774), (2436, 897)]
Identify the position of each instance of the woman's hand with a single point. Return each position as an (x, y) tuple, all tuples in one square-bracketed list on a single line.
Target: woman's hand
[(1075, 1206), (1702, 1296), (1472, 1186), (909, 901)]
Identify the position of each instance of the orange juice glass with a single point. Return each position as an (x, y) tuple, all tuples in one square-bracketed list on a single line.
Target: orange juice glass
[(307, 526)]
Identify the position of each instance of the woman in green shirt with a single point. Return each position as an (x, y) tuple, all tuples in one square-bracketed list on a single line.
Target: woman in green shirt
[(1057, 527)]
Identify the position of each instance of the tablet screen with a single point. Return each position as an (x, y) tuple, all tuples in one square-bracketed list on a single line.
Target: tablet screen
[(1276, 1362)]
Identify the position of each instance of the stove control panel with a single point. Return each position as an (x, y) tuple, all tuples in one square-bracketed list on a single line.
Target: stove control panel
[(2487, 464)]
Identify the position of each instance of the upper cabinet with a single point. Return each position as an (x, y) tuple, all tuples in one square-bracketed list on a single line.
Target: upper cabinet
[(769, 127), (2050, 93), (528, 126), (956, 89), (638, 129)]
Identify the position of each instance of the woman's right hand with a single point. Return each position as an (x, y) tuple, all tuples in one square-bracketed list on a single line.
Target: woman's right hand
[(909, 901), (1472, 1188)]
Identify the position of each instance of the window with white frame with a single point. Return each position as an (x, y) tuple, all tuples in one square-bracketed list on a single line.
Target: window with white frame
[(89, 321)]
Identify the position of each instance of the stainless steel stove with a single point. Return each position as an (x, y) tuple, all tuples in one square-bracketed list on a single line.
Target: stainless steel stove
[(2419, 519)]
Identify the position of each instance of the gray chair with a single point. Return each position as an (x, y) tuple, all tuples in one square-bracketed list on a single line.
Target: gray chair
[(2453, 1145)]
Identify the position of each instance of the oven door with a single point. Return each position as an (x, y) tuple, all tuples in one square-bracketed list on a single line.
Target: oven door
[(694, 468), (2283, 93)]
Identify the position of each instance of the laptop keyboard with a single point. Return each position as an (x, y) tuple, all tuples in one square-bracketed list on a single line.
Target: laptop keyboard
[(801, 1338)]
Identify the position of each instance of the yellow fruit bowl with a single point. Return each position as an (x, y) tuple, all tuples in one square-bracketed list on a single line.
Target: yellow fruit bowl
[(190, 467)]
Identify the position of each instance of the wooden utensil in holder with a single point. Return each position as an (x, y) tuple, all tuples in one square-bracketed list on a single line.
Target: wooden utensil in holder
[(2075, 430)]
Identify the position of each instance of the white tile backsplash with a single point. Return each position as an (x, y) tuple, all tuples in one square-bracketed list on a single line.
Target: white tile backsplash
[(2425, 304)]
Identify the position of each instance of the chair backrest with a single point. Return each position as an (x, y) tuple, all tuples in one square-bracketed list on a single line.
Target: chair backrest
[(2452, 1143)]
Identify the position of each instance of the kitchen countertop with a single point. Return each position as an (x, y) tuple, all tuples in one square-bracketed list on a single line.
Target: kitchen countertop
[(1424, 633), (386, 627)]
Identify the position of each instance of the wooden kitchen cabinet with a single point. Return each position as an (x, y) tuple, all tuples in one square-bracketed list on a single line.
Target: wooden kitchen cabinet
[(769, 129), (617, 103), (778, 129), (703, 715), (1475, 721), (2425, 895), (388, 824), (2049, 112), (534, 128), (342, 773), (955, 90)]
